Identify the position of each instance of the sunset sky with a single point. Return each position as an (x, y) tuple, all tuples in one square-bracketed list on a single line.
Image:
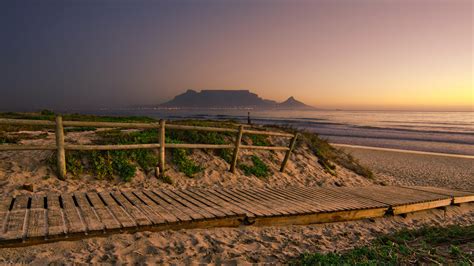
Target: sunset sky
[(348, 54)]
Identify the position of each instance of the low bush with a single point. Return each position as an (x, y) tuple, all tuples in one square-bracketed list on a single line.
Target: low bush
[(258, 168)]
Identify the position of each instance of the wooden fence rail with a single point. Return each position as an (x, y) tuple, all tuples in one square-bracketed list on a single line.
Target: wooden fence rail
[(61, 147)]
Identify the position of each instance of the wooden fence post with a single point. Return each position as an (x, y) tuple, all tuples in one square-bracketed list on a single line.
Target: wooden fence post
[(61, 153), (236, 149), (162, 146), (287, 155)]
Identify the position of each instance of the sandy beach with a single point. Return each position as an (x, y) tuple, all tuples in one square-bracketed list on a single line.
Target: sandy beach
[(243, 245), (418, 169), (230, 246)]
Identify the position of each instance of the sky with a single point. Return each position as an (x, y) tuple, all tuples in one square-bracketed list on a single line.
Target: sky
[(345, 54)]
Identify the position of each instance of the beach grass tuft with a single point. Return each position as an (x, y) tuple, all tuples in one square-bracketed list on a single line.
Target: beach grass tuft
[(258, 168), (429, 245)]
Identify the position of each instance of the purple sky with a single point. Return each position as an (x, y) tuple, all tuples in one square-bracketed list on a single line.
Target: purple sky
[(352, 54)]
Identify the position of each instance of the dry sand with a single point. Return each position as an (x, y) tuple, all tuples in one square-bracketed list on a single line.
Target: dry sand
[(233, 245), (19, 167), (418, 169), (230, 245)]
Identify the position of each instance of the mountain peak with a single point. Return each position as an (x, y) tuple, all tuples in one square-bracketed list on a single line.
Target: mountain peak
[(291, 102), (229, 99)]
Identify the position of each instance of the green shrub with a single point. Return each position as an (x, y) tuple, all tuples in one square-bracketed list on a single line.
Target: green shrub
[(166, 179), (258, 168), (259, 140), (73, 162), (184, 164)]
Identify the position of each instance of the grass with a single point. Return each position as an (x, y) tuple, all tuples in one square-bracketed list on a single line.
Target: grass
[(15, 138), (185, 165), (328, 156), (429, 245), (49, 115), (257, 140), (258, 168), (105, 163)]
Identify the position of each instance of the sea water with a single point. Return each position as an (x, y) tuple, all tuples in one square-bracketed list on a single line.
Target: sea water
[(444, 132)]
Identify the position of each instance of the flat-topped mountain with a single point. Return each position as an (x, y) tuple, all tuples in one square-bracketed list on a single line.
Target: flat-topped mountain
[(229, 99)]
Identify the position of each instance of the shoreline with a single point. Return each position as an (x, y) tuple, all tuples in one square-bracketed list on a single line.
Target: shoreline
[(403, 151)]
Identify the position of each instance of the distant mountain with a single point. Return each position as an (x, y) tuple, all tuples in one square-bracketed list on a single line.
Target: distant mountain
[(229, 99), (292, 103)]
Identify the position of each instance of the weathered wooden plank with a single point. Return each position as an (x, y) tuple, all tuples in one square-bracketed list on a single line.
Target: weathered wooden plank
[(55, 217), (302, 202), (217, 209), (17, 219), (37, 219), (89, 215), (72, 217), (261, 199), (190, 212), (31, 220), (140, 218), (235, 209), (458, 196), (228, 197), (288, 206), (147, 210), (199, 205), (105, 215), (122, 216), (4, 209), (182, 216), (261, 205), (160, 210)]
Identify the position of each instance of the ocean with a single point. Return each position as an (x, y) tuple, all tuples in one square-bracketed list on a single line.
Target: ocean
[(442, 132)]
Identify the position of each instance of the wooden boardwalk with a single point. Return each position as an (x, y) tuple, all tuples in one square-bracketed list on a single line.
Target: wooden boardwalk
[(43, 218)]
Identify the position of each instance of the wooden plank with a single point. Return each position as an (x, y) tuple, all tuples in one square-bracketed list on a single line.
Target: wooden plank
[(119, 213), (318, 200), (55, 217), (4, 211), (290, 206), (182, 216), (235, 209), (414, 207), (184, 205), (196, 200), (72, 217), (394, 195), (320, 217), (37, 219), (458, 196), (169, 217), (110, 147), (89, 215), (15, 228), (303, 202), (184, 209), (104, 214), (140, 218), (328, 200), (264, 210), (152, 215), (222, 195), (261, 199), (207, 202)]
